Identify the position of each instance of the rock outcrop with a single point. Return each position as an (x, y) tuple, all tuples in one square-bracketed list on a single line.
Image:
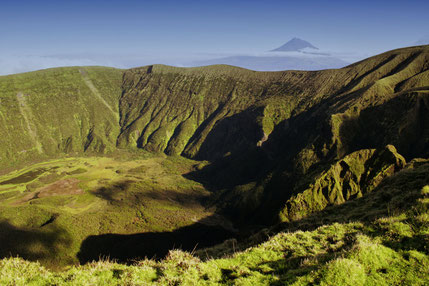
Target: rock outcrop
[(351, 177)]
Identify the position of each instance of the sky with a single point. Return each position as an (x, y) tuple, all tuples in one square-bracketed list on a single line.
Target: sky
[(127, 33)]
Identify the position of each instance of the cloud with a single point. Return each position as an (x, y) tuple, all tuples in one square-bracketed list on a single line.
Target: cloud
[(19, 64)]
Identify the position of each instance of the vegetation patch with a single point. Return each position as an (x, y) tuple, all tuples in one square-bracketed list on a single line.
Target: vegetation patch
[(82, 197)]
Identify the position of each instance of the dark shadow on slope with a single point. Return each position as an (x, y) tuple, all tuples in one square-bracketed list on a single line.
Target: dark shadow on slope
[(278, 170), (130, 247), (236, 161), (236, 183), (402, 121), (204, 125), (232, 170), (32, 243), (233, 134), (269, 168), (129, 193), (394, 195), (397, 194), (230, 178)]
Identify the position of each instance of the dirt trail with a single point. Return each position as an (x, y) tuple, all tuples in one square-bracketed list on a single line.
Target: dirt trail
[(95, 91), (29, 119)]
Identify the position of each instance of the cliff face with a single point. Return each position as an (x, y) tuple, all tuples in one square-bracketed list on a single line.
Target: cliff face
[(200, 114), (268, 135), (208, 112)]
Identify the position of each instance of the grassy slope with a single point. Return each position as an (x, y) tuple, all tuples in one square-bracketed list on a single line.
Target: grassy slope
[(380, 239), (268, 130), (199, 112), (58, 111), (381, 100)]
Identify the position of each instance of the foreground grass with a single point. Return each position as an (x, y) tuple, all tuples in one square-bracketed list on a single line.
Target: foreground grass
[(391, 250)]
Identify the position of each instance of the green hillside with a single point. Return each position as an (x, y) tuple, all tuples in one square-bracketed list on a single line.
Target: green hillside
[(58, 111), (304, 175)]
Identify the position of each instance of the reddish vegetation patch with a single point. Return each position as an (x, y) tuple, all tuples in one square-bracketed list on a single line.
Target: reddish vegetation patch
[(62, 187)]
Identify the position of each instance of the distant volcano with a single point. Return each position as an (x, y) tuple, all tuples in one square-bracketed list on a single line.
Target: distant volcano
[(296, 54), (295, 44)]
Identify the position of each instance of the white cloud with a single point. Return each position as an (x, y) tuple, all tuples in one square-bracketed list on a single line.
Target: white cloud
[(19, 64)]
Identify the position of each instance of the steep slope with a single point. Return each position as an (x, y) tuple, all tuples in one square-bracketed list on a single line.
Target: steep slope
[(269, 132), (54, 111), (351, 177), (211, 111), (176, 110), (387, 104)]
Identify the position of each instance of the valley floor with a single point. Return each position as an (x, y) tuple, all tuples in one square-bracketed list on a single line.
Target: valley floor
[(73, 210)]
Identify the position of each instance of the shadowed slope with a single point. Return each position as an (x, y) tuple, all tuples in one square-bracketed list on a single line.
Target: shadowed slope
[(268, 132), (195, 111)]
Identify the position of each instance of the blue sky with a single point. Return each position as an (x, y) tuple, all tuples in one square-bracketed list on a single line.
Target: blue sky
[(87, 30)]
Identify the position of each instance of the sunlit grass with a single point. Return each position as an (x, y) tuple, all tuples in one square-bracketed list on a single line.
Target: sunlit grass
[(110, 196)]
